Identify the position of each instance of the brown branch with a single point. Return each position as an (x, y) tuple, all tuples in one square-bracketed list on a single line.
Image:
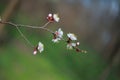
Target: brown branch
[(28, 26), (21, 25)]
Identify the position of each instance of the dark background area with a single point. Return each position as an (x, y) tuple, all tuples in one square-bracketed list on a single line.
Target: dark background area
[(95, 22)]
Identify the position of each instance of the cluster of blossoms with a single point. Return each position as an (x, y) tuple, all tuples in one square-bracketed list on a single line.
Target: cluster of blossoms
[(58, 35)]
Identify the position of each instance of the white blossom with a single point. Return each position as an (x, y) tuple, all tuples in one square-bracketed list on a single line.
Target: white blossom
[(40, 47), (58, 35), (71, 45), (56, 40), (72, 36), (56, 18), (53, 17)]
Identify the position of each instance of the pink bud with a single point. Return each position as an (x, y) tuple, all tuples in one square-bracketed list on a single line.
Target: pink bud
[(50, 18), (35, 52), (78, 43)]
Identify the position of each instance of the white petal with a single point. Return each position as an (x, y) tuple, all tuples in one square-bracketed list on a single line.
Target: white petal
[(56, 18), (60, 33), (72, 36), (56, 40), (69, 46), (40, 47), (73, 44)]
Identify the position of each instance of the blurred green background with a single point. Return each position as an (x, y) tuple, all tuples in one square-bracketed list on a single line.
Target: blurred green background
[(94, 22)]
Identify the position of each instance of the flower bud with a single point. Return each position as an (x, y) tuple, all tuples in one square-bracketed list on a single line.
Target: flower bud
[(53, 17)]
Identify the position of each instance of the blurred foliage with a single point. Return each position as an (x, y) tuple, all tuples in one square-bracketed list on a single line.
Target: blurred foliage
[(55, 63)]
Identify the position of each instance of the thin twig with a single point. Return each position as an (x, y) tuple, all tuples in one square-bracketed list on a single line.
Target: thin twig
[(24, 36), (46, 24), (36, 27), (29, 26)]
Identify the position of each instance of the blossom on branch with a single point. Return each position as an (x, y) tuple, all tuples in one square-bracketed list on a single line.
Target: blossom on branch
[(53, 17), (57, 35), (39, 47), (56, 40), (35, 51), (56, 18), (72, 45), (72, 36)]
